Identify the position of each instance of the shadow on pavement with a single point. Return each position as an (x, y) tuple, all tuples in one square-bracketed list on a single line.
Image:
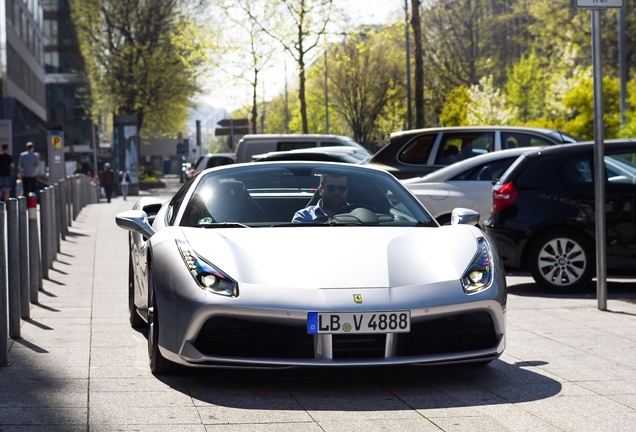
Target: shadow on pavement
[(367, 389), (617, 289)]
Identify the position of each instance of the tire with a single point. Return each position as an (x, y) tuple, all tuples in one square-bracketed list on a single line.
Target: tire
[(136, 321), (158, 363), (562, 261)]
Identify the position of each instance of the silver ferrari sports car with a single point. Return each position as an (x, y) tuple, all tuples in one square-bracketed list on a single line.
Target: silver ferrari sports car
[(284, 264)]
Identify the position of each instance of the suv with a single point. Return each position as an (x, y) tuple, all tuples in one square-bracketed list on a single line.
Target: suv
[(255, 144), (212, 160), (543, 214), (344, 154), (418, 152)]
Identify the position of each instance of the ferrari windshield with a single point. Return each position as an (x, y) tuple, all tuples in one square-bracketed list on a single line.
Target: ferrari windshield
[(275, 194)]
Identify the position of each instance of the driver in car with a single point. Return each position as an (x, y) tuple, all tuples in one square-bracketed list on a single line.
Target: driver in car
[(333, 195)]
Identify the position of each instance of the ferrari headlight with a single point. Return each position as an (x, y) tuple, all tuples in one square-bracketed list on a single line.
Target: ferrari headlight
[(207, 276), (478, 275)]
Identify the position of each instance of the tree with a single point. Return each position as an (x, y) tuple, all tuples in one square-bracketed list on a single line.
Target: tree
[(455, 110), (141, 58), (362, 80), (299, 26), (244, 51), (526, 88), (458, 37), (581, 101), (487, 105)]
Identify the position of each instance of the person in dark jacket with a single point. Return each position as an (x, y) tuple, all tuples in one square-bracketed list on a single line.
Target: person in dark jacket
[(6, 181), (108, 180)]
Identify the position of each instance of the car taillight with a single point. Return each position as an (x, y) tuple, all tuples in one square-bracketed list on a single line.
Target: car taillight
[(503, 196)]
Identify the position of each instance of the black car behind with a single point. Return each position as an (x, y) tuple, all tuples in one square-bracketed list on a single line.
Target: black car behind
[(543, 217)]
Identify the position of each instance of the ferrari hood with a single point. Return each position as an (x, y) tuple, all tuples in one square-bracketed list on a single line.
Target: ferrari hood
[(335, 257)]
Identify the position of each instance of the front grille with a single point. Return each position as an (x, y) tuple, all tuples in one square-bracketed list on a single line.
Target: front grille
[(358, 346), (221, 336), (231, 337), (472, 331)]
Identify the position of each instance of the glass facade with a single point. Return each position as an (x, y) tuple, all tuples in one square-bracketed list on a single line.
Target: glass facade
[(64, 66), (23, 77)]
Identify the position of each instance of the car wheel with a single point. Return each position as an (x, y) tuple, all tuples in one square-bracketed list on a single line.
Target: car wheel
[(562, 261), (158, 363), (135, 320)]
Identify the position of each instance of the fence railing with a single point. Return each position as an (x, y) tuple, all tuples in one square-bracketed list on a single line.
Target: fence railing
[(29, 249)]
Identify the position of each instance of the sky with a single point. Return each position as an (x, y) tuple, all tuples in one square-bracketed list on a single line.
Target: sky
[(273, 78)]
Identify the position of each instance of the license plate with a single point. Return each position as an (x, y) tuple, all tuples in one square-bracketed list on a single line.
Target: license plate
[(359, 323)]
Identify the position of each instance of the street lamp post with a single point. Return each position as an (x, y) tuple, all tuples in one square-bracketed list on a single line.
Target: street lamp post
[(326, 92)]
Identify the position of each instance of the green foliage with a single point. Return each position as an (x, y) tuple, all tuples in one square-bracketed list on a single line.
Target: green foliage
[(526, 88), (299, 26), (487, 105), (141, 58), (456, 108), (365, 80), (630, 128), (581, 101)]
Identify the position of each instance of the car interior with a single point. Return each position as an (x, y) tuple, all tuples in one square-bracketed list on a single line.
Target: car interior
[(263, 201)]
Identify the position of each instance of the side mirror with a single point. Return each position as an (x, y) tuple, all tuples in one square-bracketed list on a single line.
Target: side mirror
[(464, 216), (135, 221)]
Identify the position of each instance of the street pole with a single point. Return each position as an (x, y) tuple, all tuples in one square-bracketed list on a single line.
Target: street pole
[(326, 92), (622, 66), (599, 163)]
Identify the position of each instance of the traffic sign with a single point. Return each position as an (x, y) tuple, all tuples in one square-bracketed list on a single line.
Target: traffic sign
[(233, 122), (600, 4), (231, 131)]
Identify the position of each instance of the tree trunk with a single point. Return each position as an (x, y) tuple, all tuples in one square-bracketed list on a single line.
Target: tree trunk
[(254, 103), (301, 91), (418, 78)]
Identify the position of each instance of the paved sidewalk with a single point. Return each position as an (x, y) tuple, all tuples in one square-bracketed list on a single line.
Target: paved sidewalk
[(80, 367)]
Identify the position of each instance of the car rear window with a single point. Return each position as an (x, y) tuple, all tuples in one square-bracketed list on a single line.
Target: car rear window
[(456, 146), (516, 139), (488, 171), (292, 145), (541, 172), (418, 150)]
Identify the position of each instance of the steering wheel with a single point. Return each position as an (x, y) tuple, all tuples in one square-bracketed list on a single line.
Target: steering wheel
[(347, 208)]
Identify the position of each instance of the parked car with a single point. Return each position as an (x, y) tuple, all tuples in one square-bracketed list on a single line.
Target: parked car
[(221, 278), (467, 184), (543, 216), (326, 154), (416, 153), (212, 160), (254, 144)]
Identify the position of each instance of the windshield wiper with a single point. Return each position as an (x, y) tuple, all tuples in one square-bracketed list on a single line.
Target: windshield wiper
[(221, 225)]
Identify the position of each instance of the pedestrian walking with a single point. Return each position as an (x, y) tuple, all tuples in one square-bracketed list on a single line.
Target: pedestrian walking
[(6, 180), (108, 180), (124, 181), (28, 166)]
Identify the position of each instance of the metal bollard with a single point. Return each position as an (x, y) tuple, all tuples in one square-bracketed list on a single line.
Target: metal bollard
[(44, 231), (4, 307), (63, 220), (56, 220), (25, 294), (34, 248), (13, 253)]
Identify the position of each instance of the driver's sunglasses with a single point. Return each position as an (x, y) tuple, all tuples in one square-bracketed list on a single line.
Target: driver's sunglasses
[(332, 188)]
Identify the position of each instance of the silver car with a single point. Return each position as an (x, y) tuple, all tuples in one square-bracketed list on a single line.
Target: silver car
[(221, 277), (467, 184)]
